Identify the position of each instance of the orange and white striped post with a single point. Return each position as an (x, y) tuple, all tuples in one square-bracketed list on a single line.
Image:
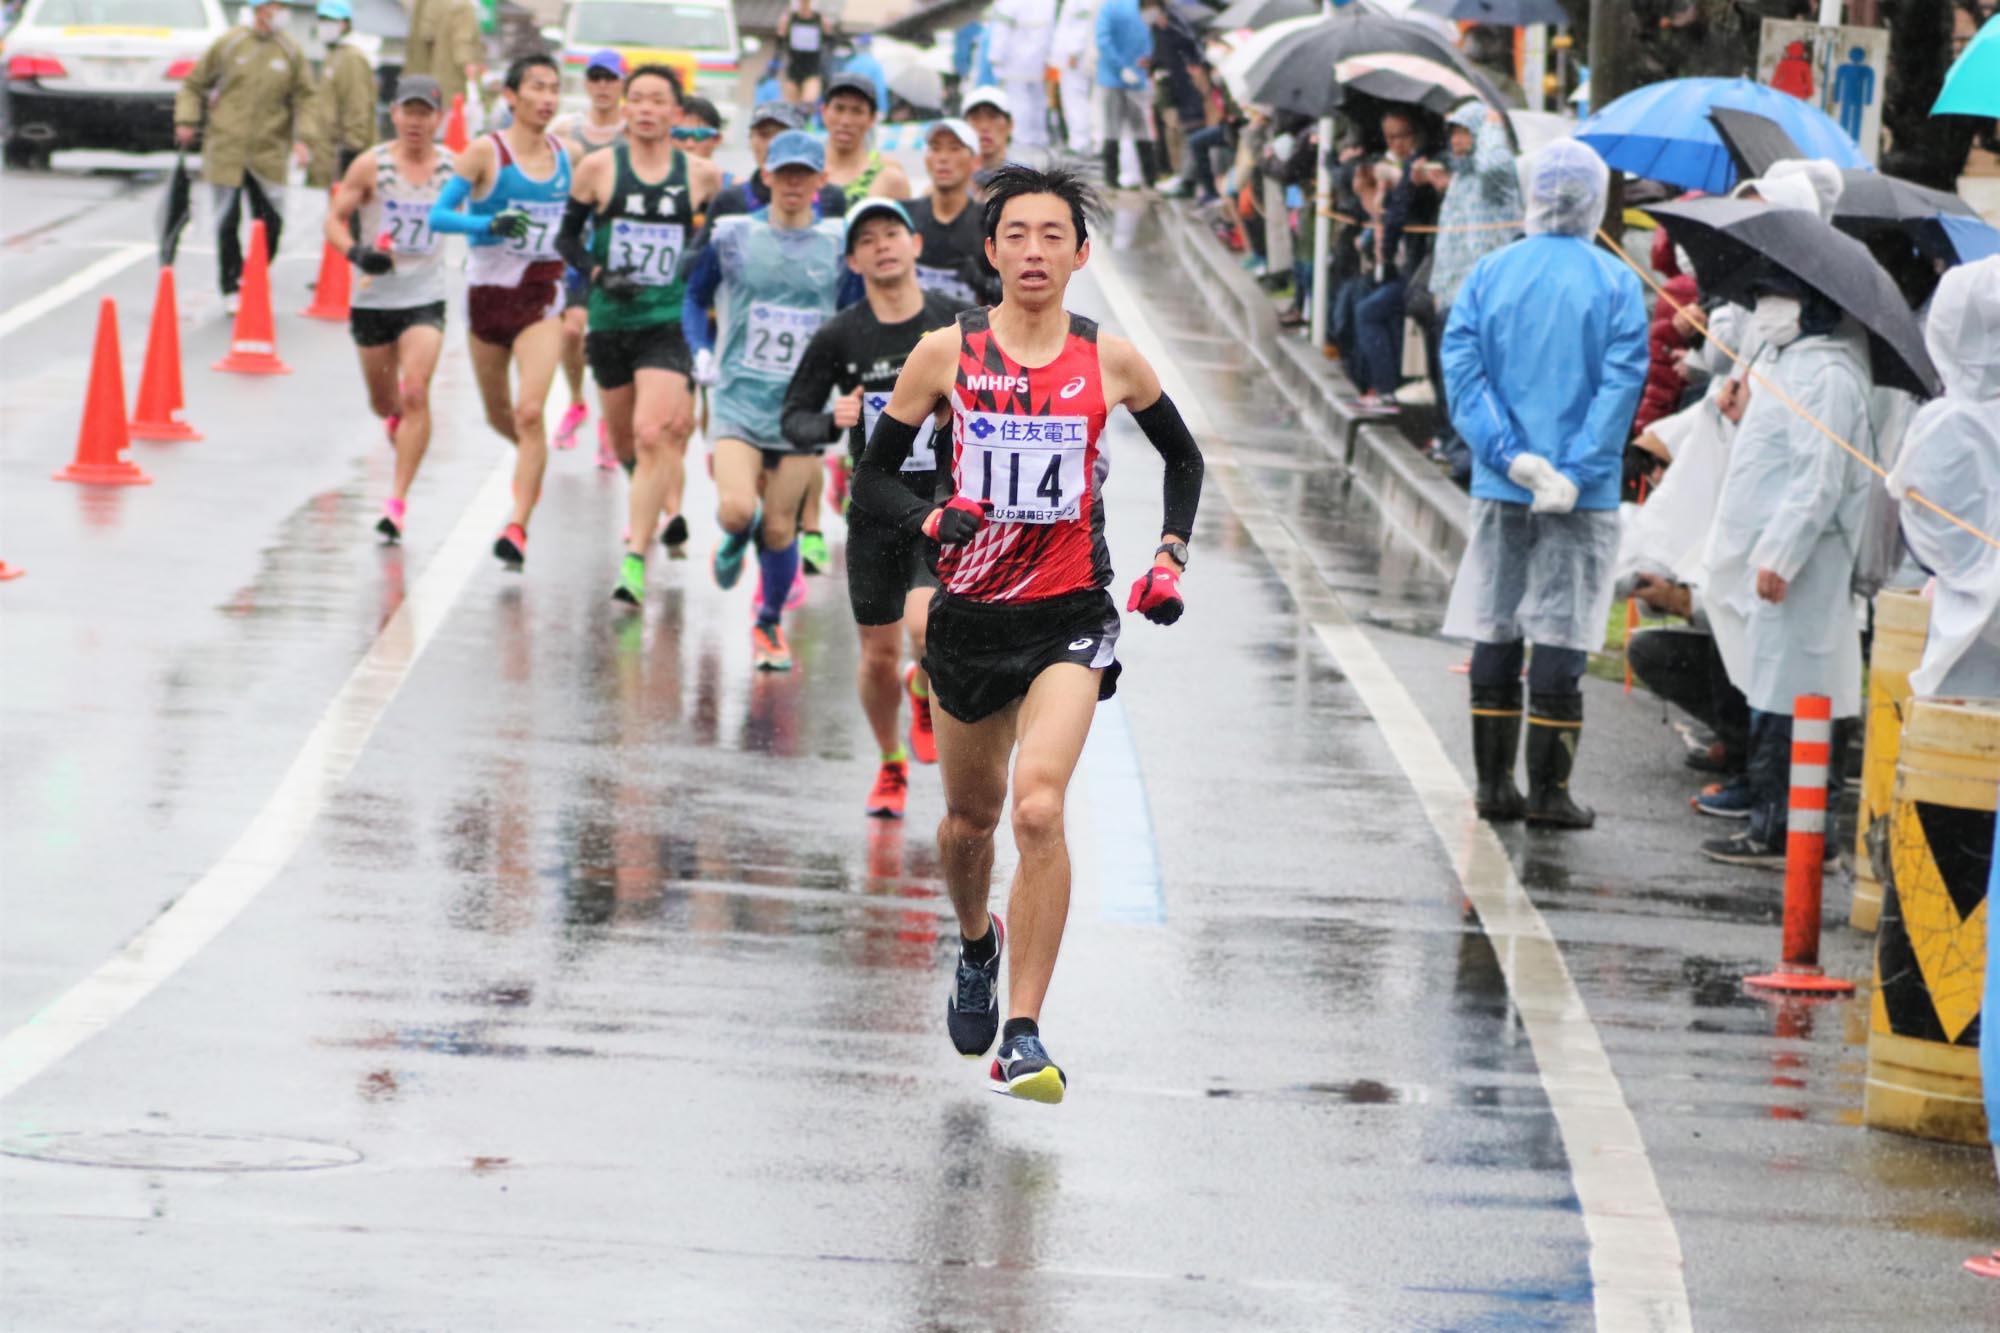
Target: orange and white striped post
[(1805, 853)]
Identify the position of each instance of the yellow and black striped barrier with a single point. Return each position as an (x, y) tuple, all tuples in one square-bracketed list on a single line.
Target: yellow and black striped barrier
[(1930, 956), (1902, 618)]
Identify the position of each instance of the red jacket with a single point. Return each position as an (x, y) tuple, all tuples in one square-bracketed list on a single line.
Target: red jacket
[(1664, 384)]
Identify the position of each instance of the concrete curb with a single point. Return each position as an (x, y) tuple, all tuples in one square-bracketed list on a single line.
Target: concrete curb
[(1413, 497)]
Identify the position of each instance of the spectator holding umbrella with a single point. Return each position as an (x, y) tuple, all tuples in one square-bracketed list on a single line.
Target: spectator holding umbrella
[(1544, 357), (1398, 253)]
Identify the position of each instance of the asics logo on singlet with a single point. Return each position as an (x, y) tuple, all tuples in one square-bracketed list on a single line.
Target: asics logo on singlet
[(1079, 645), (1072, 389), (997, 383), (981, 427)]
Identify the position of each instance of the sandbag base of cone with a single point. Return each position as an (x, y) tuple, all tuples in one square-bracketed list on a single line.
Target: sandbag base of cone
[(253, 343), (101, 443), (161, 412), (9, 572)]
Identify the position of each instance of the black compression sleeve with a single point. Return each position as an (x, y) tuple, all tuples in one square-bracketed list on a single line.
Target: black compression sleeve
[(804, 421), (569, 241), (876, 486), (1169, 434)]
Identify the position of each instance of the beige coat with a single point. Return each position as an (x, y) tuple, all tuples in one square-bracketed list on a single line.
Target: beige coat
[(444, 39), (251, 88), (341, 115)]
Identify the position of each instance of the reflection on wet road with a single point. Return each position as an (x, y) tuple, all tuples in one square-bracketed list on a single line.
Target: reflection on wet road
[(588, 997)]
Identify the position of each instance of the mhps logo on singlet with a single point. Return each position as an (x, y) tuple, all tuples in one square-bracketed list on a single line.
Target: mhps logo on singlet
[(997, 383)]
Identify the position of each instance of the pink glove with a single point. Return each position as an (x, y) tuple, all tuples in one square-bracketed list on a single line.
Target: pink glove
[(1157, 594)]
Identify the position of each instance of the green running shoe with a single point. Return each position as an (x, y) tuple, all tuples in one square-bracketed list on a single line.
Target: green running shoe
[(631, 588), (812, 552), (728, 563)]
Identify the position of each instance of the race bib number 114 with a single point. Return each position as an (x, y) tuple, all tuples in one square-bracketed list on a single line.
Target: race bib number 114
[(1031, 468)]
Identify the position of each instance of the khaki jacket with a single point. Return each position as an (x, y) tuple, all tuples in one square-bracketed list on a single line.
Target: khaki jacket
[(444, 39), (341, 116), (252, 89)]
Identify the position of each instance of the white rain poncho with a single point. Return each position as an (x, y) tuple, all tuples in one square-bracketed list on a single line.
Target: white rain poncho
[(1565, 185), (1952, 456), (1792, 502)]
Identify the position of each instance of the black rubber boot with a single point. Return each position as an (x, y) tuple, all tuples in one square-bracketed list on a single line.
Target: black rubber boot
[(1496, 740), (1111, 165), (1555, 723), (1149, 163)]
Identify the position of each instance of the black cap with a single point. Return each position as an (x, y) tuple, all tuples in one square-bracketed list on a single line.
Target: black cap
[(859, 84)]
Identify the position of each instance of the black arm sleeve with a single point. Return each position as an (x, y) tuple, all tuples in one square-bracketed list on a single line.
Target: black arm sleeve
[(805, 421), (569, 241), (876, 486), (1169, 434)]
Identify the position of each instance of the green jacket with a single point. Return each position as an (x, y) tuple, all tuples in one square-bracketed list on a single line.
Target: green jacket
[(251, 88), (444, 39), (341, 117)]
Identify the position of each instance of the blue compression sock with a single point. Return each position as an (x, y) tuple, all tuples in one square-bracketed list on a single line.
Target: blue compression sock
[(779, 568)]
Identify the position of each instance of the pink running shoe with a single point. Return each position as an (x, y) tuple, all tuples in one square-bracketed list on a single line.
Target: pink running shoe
[(572, 421), (390, 525), (605, 458)]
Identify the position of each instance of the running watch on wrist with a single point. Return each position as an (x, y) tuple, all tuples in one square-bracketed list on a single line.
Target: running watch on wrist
[(1178, 550)]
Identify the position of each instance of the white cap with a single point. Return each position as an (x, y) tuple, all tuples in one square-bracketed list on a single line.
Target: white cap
[(988, 96), (957, 129)]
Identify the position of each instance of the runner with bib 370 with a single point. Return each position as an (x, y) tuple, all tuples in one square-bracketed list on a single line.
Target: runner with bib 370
[(517, 181), (1023, 637), (642, 195), (397, 313), (858, 354), (773, 278)]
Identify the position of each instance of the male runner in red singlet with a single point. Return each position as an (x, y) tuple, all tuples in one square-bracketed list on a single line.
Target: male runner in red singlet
[(1022, 637)]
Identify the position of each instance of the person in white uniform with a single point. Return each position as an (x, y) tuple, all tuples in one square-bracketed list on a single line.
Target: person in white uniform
[(1073, 52), (1018, 40)]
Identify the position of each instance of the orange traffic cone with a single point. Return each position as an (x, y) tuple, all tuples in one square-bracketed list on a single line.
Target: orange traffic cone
[(253, 345), (9, 572), (455, 137), (101, 444), (161, 413), (334, 288)]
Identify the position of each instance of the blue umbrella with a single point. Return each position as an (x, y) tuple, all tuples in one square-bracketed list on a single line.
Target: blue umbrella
[(1972, 86), (1971, 239), (1662, 132)]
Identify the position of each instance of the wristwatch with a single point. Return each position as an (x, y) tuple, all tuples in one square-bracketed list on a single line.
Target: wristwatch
[(1178, 550)]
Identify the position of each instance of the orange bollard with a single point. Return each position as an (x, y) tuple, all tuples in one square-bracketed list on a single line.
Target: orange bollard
[(455, 137), (161, 413), (253, 345), (101, 443), (1805, 854), (8, 573), (1631, 627)]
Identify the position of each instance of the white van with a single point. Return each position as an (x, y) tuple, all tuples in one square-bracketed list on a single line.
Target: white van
[(696, 37)]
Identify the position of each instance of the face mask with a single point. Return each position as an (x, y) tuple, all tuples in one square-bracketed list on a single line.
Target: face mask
[(1684, 261), (1776, 319), (329, 31)]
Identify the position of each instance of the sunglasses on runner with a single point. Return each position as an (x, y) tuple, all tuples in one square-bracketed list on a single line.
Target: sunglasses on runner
[(697, 133), (602, 75)]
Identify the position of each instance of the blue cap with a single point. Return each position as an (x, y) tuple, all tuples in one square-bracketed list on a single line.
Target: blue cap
[(336, 9), (605, 59), (796, 148), (866, 209)]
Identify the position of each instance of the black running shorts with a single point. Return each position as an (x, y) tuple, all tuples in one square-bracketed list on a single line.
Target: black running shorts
[(883, 565), (379, 328), (616, 355), (983, 656)]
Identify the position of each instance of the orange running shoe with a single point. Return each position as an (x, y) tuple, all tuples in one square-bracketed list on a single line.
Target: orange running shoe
[(511, 546), (769, 649), (891, 790), (923, 741)]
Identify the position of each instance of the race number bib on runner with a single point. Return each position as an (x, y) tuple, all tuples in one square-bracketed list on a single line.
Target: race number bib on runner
[(538, 243), (1031, 468), (649, 251), (946, 283), (805, 37), (923, 449), (778, 335), (408, 224)]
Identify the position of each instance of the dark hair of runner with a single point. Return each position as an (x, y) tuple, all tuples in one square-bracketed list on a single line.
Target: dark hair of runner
[(1015, 181), (703, 110), (518, 71), (658, 72)]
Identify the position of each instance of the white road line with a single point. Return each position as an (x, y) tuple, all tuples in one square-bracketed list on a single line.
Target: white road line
[(281, 826), (1126, 857), (1636, 1266), (76, 284)]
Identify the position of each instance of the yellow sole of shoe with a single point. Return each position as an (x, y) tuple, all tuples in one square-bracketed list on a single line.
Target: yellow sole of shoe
[(1044, 1086)]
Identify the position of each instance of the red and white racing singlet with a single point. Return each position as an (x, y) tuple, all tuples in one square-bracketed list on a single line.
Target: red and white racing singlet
[(1027, 439)]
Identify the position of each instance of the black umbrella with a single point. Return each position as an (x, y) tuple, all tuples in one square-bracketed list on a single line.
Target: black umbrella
[(1735, 241), (1870, 199), (1261, 13), (1297, 74), (1501, 13), (1756, 143), (175, 210)]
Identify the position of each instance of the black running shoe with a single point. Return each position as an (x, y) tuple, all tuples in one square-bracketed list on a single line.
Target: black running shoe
[(675, 537), (972, 1010), (1744, 850), (1022, 1068)]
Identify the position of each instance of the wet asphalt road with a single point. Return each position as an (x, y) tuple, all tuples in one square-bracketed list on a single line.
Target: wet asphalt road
[(590, 999)]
